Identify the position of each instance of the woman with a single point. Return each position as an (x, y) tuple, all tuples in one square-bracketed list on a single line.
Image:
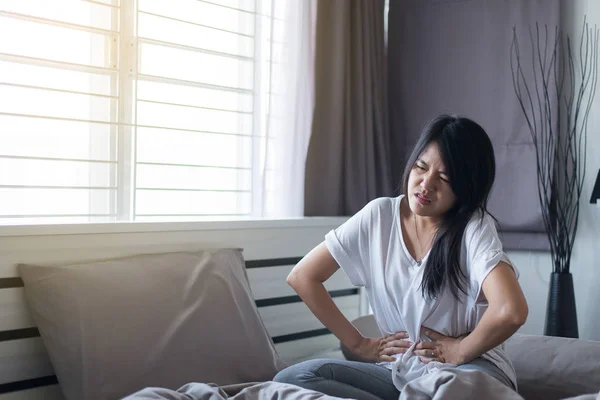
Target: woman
[(431, 263)]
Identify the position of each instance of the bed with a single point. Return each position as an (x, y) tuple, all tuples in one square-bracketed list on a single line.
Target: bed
[(270, 249)]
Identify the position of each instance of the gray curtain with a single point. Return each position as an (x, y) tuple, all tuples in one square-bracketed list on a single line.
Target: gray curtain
[(453, 56), (348, 160)]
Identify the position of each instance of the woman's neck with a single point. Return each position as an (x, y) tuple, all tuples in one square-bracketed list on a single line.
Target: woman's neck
[(424, 224)]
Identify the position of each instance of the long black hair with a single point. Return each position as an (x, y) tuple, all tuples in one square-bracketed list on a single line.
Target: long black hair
[(468, 155)]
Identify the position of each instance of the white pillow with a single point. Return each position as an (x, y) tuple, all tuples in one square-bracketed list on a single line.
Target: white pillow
[(114, 327)]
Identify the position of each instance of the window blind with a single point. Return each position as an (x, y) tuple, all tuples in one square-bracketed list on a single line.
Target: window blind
[(139, 110), (58, 118)]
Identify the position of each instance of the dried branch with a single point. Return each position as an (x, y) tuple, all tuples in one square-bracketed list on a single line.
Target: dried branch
[(556, 103)]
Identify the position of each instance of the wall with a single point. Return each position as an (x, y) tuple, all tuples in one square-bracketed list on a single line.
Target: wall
[(535, 268)]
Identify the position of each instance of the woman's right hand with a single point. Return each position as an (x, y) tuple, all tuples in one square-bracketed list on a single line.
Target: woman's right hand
[(381, 348)]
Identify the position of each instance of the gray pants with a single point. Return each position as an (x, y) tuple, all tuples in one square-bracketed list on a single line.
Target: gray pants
[(358, 380)]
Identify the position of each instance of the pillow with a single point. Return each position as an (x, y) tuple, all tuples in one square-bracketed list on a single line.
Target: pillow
[(117, 326), (554, 367)]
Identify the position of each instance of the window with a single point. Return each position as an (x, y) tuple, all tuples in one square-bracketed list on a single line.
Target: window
[(145, 110)]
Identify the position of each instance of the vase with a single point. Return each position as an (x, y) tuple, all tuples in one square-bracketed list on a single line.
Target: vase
[(561, 313)]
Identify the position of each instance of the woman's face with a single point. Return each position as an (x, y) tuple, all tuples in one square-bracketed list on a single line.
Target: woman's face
[(429, 192)]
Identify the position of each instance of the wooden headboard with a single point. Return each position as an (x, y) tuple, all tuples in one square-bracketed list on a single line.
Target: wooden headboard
[(271, 249)]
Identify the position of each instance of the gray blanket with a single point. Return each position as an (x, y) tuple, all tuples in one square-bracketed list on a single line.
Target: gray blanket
[(439, 385), (457, 384), (256, 391), (461, 384)]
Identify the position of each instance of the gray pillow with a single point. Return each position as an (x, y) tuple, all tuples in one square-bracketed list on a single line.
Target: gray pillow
[(554, 368), (114, 327)]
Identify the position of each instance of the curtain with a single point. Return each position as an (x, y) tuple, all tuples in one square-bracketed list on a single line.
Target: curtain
[(348, 161), (453, 56), (288, 79)]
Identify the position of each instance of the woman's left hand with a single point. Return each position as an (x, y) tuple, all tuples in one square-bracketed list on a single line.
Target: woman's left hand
[(443, 349)]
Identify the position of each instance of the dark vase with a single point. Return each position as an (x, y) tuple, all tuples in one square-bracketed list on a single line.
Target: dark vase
[(561, 313)]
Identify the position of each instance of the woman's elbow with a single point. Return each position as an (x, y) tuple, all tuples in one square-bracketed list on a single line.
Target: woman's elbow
[(296, 278), (292, 278), (516, 315)]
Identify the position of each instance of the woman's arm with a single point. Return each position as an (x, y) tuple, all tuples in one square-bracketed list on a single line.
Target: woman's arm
[(506, 313), (307, 279)]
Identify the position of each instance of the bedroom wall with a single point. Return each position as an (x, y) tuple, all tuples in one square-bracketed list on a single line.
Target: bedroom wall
[(535, 268)]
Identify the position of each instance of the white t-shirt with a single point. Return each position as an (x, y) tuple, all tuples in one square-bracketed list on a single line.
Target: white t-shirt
[(369, 247)]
